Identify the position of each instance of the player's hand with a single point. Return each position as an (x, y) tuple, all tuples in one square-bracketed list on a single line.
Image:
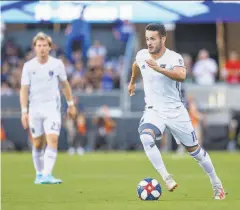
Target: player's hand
[(131, 89), (24, 120), (72, 112), (153, 64)]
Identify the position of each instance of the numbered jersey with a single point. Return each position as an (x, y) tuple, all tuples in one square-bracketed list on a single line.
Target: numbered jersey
[(45, 119), (161, 92), (44, 96)]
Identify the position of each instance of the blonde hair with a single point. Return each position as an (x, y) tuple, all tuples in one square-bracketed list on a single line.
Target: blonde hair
[(42, 36)]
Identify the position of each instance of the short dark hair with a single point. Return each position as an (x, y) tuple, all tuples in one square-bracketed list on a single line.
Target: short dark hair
[(160, 28)]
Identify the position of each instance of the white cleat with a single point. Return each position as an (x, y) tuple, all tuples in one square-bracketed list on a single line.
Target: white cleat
[(218, 192), (171, 184)]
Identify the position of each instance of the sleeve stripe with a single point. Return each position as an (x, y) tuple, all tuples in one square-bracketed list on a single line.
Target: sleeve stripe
[(179, 66)]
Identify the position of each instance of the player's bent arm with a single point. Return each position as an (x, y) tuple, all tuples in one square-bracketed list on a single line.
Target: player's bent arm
[(135, 73), (24, 97), (178, 73), (67, 92)]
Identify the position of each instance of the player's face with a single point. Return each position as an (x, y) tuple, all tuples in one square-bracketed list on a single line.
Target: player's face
[(42, 48), (154, 41)]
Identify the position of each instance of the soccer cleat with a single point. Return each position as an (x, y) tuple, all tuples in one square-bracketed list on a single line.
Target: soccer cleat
[(38, 179), (171, 184), (218, 192), (49, 179)]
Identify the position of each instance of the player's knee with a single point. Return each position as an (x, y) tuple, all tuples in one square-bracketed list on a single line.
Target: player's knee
[(148, 132), (52, 140), (147, 138), (198, 153), (192, 149), (38, 142)]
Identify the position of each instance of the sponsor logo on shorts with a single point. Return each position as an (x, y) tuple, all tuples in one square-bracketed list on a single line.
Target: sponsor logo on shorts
[(152, 145)]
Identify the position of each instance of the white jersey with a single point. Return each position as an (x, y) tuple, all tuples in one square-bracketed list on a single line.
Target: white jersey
[(43, 80), (161, 92)]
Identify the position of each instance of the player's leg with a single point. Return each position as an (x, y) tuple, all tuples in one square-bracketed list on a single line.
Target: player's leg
[(38, 145), (52, 126), (183, 132), (148, 133)]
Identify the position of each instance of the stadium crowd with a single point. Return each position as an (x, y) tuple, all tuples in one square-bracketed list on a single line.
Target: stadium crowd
[(97, 73)]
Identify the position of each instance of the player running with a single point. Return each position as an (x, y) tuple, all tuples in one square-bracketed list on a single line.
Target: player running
[(163, 71), (40, 86)]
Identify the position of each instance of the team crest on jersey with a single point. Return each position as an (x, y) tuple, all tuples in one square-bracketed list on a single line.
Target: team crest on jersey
[(180, 61), (163, 65), (33, 130), (51, 73), (143, 66)]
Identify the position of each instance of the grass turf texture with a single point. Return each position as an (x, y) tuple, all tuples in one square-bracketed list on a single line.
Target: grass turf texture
[(108, 181)]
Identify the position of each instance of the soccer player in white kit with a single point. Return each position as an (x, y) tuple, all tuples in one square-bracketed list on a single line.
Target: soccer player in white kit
[(40, 88), (163, 71)]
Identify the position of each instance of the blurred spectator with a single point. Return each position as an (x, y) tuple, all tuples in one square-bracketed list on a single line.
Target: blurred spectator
[(29, 55), (96, 55), (197, 118), (68, 66), (234, 132), (76, 55), (5, 89), (78, 36), (76, 132), (11, 52), (5, 71), (100, 76), (55, 51), (107, 80), (78, 76), (6, 144), (205, 69), (105, 130), (94, 76), (3, 27), (122, 30), (81, 137), (117, 65), (188, 64), (231, 73)]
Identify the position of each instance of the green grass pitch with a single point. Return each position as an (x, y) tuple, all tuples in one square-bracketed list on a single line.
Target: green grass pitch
[(99, 181)]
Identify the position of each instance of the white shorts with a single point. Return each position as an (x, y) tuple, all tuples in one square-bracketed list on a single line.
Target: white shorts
[(176, 120), (45, 119)]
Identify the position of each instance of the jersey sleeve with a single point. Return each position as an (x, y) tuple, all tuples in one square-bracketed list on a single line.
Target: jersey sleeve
[(62, 72), (178, 61), (25, 79), (140, 57)]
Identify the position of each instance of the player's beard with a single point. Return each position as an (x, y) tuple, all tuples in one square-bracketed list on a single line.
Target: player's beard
[(157, 48)]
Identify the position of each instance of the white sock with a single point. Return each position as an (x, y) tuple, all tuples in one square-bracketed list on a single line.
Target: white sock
[(37, 156), (205, 162), (49, 160), (153, 154)]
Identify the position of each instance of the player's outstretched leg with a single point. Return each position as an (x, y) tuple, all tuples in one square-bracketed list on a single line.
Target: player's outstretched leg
[(37, 156), (50, 159), (148, 140), (205, 162)]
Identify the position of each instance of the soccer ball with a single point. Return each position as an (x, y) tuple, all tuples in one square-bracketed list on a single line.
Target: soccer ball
[(149, 189)]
